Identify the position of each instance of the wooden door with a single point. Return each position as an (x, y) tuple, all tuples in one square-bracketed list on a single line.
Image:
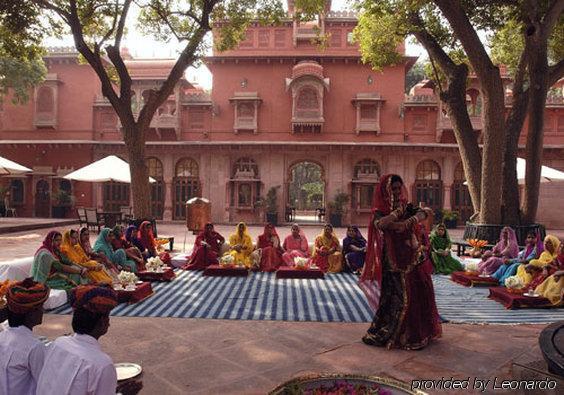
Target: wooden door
[(42, 199)]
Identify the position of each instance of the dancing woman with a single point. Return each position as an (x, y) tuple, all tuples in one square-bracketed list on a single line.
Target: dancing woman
[(406, 315)]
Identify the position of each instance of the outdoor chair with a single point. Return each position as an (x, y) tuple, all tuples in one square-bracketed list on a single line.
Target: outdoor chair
[(126, 215), (94, 219), (81, 212), (320, 213)]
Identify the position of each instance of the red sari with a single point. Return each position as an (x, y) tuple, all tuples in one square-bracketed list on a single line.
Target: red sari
[(207, 254), (407, 315), (271, 253)]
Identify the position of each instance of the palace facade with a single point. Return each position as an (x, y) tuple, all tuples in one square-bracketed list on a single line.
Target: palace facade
[(278, 100)]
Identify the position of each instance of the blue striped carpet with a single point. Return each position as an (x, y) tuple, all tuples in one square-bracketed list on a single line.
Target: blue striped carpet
[(260, 296)]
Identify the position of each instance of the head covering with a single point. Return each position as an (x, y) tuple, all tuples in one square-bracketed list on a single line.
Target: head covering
[(511, 244), (74, 252), (555, 243), (327, 241), (236, 233), (103, 245), (48, 243), (25, 296), (384, 204), (266, 240), (146, 236), (131, 233), (117, 231), (86, 243), (96, 299), (358, 241)]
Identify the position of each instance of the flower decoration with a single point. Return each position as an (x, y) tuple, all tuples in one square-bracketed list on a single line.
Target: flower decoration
[(477, 243), (154, 264), (4, 285), (227, 261), (345, 387), (300, 263), (514, 282), (127, 278), (472, 267)]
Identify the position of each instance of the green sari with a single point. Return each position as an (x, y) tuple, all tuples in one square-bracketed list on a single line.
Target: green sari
[(117, 257), (443, 264), (48, 270)]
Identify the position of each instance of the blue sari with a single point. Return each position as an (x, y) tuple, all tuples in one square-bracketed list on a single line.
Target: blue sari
[(118, 257), (510, 269), (354, 259)]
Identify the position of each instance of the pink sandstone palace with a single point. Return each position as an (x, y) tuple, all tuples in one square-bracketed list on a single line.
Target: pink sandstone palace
[(277, 101)]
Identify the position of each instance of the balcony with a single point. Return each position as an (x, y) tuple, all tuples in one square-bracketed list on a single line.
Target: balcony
[(420, 100)]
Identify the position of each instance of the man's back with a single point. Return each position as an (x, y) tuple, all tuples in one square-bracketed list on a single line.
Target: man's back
[(77, 365), (21, 360)]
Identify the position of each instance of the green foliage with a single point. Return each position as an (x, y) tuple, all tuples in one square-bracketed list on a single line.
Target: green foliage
[(507, 44), (339, 203), (63, 198), (271, 200), (415, 75), (449, 215)]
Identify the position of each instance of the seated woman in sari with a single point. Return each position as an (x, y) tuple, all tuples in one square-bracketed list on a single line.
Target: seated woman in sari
[(527, 272), (354, 249), (48, 269), (443, 262), (147, 240), (327, 251), (506, 248), (131, 237), (84, 241), (552, 287), (206, 249), (241, 245), (534, 247), (268, 253), (72, 253), (103, 245), (295, 246), (394, 279), (132, 252)]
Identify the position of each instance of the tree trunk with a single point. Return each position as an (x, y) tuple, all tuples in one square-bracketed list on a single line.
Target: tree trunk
[(455, 100), (538, 74), (510, 190), (134, 137), (493, 150)]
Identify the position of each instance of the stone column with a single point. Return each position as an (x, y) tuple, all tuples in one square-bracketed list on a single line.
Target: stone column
[(447, 175), (99, 202), (168, 186)]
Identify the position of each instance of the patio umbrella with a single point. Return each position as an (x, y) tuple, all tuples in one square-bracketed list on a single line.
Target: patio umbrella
[(548, 174), (9, 167), (110, 168)]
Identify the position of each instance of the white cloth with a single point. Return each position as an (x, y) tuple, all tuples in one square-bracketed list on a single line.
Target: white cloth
[(16, 269), (76, 365), (21, 360)]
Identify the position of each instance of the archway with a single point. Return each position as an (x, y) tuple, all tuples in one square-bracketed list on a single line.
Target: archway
[(306, 192)]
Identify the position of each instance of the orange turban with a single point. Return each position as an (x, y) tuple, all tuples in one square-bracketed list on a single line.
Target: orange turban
[(25, 296), (96, 299)]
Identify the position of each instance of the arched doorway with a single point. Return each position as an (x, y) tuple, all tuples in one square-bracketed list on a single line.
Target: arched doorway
[(460, 197), (155, 167), (186, 185), (42, 199), (428, 186), (306, 191)]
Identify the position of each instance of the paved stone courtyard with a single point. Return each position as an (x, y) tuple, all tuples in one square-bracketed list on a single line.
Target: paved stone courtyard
[(252, 357)]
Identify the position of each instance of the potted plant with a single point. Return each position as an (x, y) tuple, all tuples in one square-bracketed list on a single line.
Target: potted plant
[(337, 208), (63, 200), (271, 204), (450, 218)]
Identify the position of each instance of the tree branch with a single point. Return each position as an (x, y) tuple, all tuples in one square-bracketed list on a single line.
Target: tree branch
[(48, 5), (121, 24), (551, 17)]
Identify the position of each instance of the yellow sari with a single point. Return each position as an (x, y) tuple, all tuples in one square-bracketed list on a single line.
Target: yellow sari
[(76, 254), (246, 242), (545, 258), (330, 263)]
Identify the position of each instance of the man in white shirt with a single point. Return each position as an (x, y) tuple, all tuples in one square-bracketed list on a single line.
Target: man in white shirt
[(76, 364), (21, 353)]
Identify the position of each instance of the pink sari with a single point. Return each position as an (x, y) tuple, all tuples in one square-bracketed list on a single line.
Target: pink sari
[(295, 248), (507, 250)]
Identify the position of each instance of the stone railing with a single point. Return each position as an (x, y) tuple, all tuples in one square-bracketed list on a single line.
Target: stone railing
[(414, 99), (345, 14)]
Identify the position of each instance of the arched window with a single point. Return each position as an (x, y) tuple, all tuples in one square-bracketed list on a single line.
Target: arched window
[(155, 167), (307, 99), (244, 195), (428, 188), (17, 191), (428, 170), (474, 102), (186, 185), (367, 168), (245, 168), (187, 167), (45, 100)]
